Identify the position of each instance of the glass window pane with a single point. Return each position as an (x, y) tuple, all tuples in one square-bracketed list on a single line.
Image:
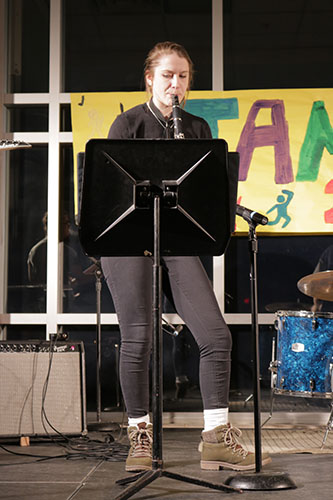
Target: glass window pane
[(27, 206), (281, 261), (28, 46), (25, 332), (181, 358), (79, 278), (106, 42), (27, 118), (241, 383), (65, 118), (109, 376), (277, 44)]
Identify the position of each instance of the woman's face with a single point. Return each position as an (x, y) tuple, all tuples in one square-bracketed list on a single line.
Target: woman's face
[(170, 77)]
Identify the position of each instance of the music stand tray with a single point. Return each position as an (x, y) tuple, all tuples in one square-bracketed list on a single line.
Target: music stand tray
[(157, 197)]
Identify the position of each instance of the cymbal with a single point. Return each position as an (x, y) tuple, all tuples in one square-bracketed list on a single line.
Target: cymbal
[(288, 306), (317, 285)]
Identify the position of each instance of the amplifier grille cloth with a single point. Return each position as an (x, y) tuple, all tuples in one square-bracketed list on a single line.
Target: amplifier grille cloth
[(23, 375)]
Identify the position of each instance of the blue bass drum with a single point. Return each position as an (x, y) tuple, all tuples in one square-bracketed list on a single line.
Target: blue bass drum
[(304, 358)]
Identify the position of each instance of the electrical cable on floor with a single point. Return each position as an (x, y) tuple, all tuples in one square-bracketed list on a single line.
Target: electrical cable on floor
[(80, 448), (110, 449), (75, 448)]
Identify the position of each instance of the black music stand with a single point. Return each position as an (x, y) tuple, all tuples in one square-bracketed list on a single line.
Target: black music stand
[(157, 197)]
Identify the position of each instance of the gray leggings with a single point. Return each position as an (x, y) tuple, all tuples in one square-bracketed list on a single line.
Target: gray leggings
[(129, 280)]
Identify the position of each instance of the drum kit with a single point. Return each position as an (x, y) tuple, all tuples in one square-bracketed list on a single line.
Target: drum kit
[(304, 351)]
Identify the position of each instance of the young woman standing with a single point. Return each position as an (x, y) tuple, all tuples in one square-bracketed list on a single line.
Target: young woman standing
[(169, 71)]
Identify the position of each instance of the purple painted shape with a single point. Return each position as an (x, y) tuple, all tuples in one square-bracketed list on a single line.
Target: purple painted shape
[(268, 135)]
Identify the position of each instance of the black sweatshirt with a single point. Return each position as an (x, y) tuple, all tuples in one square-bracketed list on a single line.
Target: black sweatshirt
[(140, 122)]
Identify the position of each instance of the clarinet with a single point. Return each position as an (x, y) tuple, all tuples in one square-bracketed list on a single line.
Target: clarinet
[(177, 119)]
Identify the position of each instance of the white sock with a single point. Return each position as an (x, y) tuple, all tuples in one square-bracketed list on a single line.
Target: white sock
[(132, 422), (214, 418)]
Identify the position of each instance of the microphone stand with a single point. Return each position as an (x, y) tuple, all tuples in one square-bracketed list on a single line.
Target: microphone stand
[(96, 269), (258, 480)]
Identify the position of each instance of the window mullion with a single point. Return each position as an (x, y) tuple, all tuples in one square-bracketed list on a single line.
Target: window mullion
[(53, 261)]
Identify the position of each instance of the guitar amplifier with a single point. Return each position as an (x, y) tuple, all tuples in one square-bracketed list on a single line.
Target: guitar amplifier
[(42, 388)]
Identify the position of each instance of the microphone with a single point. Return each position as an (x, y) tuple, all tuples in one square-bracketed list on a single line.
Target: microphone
[(177, 119), (251, 215)]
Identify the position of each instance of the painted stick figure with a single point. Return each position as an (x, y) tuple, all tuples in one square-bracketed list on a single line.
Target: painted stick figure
[(281, 208)]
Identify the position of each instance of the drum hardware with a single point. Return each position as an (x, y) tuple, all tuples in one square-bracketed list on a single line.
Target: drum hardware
[(273, 370), (172, 330), (328, 427), (297, 347), (250, 396), (302, 358), (273, 367), (312, 385)]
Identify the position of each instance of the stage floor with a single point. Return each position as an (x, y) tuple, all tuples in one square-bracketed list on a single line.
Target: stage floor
[(80, 472)]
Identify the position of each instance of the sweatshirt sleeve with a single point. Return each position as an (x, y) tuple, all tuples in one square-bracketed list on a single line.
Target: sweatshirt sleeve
[(207, 133), (119, 128)]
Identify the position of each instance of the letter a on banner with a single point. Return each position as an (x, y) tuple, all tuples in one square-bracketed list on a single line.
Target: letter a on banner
[(267, 135), (319, 134)]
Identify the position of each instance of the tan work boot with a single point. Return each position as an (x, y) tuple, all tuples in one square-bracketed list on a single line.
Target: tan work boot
[(220, 449), (140, 453)]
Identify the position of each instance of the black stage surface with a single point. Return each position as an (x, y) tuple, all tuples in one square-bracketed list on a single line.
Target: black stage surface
[(88, 466)]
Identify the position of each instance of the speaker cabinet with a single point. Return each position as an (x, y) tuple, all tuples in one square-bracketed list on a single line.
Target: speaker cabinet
[(42, 388)]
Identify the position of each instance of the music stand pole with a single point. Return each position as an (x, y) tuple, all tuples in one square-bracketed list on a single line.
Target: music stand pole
[(98, 276), (157, 358)]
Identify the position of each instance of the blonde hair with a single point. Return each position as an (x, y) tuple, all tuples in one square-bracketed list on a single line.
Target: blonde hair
[(161, 49)]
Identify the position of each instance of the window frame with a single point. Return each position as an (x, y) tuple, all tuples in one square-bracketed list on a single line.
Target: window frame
[(53, 319)]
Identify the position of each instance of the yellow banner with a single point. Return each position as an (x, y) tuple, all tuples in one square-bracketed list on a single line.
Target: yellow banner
[(284, 137)]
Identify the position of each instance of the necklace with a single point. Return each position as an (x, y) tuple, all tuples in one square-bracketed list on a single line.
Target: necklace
[(164, 125)]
